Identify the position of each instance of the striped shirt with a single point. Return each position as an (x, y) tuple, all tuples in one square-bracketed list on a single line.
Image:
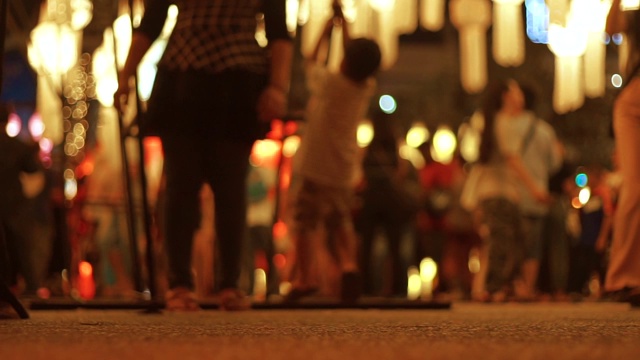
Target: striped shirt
[(216, 35)]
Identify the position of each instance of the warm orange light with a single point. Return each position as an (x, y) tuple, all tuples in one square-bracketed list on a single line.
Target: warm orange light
[(575, 202), (280, 261), (290, 128), (277, 130), (85, 269), (279, 229)]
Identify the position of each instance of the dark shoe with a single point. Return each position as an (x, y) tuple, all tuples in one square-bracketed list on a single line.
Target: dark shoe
[(296, 294), (351, 287)]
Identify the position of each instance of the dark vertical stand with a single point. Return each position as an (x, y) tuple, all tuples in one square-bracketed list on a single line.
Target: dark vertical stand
[(153, 306), (5, 292)]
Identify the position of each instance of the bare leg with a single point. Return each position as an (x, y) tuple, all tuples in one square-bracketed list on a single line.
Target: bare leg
[(305, 261), (347, 249)]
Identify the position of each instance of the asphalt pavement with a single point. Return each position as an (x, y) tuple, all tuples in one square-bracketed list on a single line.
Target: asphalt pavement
[(463, 331)]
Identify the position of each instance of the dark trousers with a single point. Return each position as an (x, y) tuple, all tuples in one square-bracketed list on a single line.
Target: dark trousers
[(190, 161)]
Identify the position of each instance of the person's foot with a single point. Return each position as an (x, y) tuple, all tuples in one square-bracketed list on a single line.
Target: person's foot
[(181, 299), (234, 300)]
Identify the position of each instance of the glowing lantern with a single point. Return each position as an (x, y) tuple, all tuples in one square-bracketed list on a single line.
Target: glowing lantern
[(569, 43), (508, 33), (406, 17), (81, 13), (595, 54), (472, 18), (53, 48), (314, 15), (627, 5), (386, 35), (432, 14)]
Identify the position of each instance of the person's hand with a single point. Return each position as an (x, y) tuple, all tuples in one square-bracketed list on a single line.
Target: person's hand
[(272, 103)]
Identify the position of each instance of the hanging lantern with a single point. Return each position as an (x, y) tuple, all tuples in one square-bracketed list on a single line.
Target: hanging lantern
[(558, 10), (508, 33), (314, 15), (406, 17), (627, 5), (386, 34), (432, 14), (595, 54), (472, 18), (336, 49), (568, 45)]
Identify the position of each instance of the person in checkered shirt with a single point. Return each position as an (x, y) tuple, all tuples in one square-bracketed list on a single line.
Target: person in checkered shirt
[(215, 93)]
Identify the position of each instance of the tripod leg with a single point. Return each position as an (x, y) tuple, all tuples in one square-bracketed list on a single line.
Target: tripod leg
[(7, 295)]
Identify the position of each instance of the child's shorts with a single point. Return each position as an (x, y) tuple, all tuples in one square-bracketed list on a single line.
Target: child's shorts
[(315, 204)]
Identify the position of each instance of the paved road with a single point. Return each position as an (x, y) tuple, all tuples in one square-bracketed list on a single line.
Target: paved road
[(466, 331)]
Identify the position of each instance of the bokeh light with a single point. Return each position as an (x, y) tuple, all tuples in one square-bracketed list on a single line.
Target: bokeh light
[(616, 80), (14, 125), (582, 180), (444, 145), (617, 38), (387, 104), (417, 135), (365, 133), (584, 195)]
